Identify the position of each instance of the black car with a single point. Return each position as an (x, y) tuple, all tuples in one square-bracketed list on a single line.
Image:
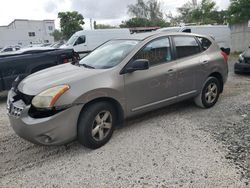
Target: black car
[(243, 64), (28, 61)]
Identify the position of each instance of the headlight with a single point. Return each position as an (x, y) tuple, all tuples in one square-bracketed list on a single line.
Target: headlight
[(241, 58), (48, 98)]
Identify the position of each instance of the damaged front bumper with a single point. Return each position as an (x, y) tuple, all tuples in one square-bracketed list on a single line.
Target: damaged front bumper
[(57, 129)]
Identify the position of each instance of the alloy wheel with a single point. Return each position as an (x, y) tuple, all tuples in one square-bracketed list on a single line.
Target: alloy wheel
[(102, 125), (211, 93)]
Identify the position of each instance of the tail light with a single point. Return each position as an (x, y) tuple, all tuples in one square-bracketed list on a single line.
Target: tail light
[(65, 60), (225, 56)]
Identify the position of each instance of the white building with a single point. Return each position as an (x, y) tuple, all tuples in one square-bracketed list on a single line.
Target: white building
[(26, 32)]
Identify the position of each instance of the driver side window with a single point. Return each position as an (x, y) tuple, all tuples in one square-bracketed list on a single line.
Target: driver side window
[(157, 52), (80, 40)]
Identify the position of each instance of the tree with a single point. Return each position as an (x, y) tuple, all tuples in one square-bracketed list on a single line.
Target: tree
[(70, 22), (145, 14), (103, 26), (57, 35), (203, 13), (139, 10), (239, 11), (186, 12), (136, 22)]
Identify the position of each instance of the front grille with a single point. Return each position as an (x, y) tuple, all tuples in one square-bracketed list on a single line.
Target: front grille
[(16, 103), (14, 111)]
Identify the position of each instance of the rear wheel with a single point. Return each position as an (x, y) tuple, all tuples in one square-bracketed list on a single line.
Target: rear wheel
[(209, 94), (96, 124)]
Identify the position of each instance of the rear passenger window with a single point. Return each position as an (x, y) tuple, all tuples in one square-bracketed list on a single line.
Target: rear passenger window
[(186, 46), (205, 43), (157, 52)]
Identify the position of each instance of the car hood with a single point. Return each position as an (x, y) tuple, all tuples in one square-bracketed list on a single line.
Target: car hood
[(58, 75)]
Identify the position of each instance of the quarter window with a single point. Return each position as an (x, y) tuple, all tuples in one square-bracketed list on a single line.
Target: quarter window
[(157, 52), (205, 43), (186, 46)]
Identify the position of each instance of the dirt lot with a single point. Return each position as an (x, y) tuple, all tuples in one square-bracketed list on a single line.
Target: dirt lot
[(178, 146)]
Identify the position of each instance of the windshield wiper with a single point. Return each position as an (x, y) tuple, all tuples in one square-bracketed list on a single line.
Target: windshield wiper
[(87, 66)]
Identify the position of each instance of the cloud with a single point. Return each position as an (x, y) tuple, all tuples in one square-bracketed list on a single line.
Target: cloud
[(105, 9), (50, 7)]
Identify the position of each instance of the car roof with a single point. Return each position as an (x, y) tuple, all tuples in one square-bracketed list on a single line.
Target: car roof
[(144, 36)]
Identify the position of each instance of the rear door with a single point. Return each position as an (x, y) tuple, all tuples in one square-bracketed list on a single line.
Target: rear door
[(188, 57)]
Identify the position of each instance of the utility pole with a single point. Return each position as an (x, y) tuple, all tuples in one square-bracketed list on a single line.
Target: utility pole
[(91, 26)]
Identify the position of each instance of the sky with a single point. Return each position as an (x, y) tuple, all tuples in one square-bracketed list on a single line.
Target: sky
[(103, 11)]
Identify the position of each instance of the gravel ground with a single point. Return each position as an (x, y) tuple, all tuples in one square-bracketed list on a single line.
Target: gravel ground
[(178, 146)]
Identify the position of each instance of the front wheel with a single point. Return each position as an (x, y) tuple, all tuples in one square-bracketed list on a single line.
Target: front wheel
[(96, 124), (209, 94)]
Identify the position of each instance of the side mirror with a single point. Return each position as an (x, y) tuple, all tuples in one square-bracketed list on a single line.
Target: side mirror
[(139, 64), (226, 50)]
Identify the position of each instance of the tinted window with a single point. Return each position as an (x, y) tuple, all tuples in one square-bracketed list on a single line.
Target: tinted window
[(205, 43), (186, 46), (157, 52), (7, 50)]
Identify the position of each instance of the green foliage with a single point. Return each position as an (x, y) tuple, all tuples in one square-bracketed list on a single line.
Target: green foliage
[(145, 14), (204, 13), (57, 35), (103, 26), (70, 22), (143, 22), (239, 11)]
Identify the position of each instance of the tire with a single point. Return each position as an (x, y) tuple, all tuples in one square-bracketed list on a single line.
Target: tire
[(209, 94), (93, 131)]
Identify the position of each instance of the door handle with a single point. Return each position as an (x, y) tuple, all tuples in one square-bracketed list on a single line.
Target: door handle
[(205, 62), (171, 70)]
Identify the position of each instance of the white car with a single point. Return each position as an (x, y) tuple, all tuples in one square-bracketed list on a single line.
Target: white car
[(10, 49)]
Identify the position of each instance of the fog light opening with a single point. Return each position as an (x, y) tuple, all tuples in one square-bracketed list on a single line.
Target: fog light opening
[(46, 139)]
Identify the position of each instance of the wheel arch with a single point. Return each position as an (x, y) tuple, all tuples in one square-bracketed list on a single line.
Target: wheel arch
[(115, 104)]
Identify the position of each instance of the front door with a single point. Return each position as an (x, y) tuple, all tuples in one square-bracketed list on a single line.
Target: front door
[(148, 89)]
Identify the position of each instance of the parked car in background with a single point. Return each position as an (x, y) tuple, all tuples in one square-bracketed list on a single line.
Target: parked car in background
[(27, 50), (243, 64), (10, 49), (30, 60), (220, 33), (85, 41), (119, 79), (57, 44)]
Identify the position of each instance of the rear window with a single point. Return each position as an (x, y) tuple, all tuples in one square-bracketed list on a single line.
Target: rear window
[(186, 46), (205, 43)]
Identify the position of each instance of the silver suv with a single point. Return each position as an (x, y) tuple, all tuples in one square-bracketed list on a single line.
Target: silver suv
[(120, 79)]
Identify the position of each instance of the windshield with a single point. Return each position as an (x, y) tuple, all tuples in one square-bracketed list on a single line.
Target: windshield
[(109, 54), (71, 40)]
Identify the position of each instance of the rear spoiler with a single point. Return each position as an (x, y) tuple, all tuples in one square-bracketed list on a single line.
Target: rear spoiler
[(226, 50)]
